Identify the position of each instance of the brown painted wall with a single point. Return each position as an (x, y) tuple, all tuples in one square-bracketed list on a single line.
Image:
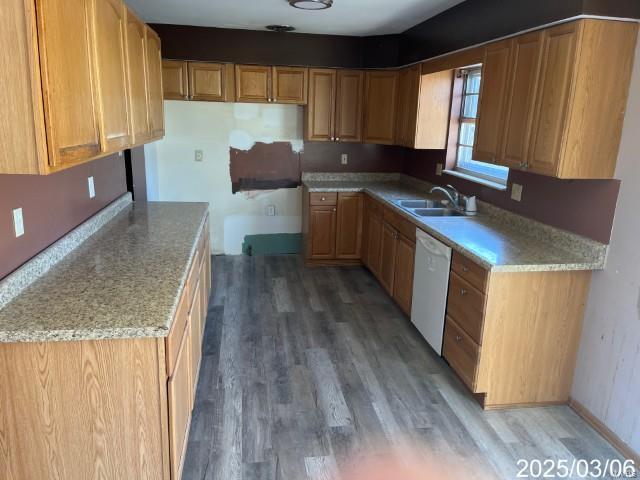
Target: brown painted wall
[(325, 157), (585, 207), (53, 205), (138, 184)]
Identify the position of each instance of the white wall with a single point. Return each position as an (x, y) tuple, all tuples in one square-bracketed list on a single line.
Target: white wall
[(174, 175), (607, 379)]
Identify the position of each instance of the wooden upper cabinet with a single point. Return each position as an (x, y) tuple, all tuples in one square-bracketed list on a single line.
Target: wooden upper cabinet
[(406, 119), (138, 88), (253, 84), (520, 98), (491, 104), (380, 98), (154, 83), (320, 121), (174, 80), (348, 106), (109, 24), (68, 81), (349, 225), (290, 85), (211, 82)]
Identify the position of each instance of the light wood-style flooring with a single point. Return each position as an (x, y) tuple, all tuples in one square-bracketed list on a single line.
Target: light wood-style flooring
[(309, 370)]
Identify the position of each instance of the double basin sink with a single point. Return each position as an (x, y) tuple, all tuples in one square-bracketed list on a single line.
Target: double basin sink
[(428, 208)]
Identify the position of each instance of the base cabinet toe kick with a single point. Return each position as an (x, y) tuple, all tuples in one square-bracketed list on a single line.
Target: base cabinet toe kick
[(511, 337), (110, 408)]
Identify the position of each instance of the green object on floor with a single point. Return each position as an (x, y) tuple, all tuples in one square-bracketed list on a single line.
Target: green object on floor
[(271, 243)]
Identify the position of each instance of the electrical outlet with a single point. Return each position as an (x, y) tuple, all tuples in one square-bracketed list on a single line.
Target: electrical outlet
[(271, 210), (516, 192), (439, 169), (92, 187), (199, 155), (18, 222), (344, 159)]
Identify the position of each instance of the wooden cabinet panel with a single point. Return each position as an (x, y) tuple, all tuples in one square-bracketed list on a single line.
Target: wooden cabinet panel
[(154, 82), (348, 105), (111, 68), (290, 85), (211, 82), (374, 244), (179, 388), (323, 198), (253, 84), (380, 106), (406, 119), (469, 271), (461, 352), (434, 105), (175, 80), (466, 306), (322, 232), (320, 122), (349, 225), (388, 249), (195, 326), (70, 99), (403, 275), (552, 99), (491, 104), (172, 342), (137, 75), (525, 65)]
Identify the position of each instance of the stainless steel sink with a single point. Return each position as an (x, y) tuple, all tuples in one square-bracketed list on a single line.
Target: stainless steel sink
[(420, 204), (436, 212)]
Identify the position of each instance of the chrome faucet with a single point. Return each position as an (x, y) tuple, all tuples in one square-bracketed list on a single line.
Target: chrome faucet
[(452, 195)]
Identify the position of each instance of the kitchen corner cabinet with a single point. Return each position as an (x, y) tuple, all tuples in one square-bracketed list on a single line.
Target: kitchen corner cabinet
[(332, 227), (558, 96), (424, 101), (265, 84), (120, 407), (175, 80), (380, 106), (69, 89)]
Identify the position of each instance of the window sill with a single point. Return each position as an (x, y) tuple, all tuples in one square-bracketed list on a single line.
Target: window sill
[(481, 181)]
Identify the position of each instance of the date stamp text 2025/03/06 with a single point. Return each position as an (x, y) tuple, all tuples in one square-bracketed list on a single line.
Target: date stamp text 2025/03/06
[(577, 468)]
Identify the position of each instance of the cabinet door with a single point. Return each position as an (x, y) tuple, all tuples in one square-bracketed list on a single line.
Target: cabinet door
[(374, 242), (322, 232), (348, 109), (491, 104), (211, 82), (381, 91), (364, 243), (403, 275), (195, 324), (388, 250), (525, 66), (111, 68), (68, 81), (253, 84), (552, 98), (154, 82), (137, 75), (349, 225), (290, 85), (179, 399), (320, 124), (175, 80), (408, 89)]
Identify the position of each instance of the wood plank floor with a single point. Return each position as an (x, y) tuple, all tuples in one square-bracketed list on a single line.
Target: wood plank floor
[(309, 370)]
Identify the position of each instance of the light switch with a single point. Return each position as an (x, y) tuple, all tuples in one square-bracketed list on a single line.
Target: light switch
[(439, 169), (92, 187), (344, 159), (199, 155), (516, 192), (271, 210), (18, 222)]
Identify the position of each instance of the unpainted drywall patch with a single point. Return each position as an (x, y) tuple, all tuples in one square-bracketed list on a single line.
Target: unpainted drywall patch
[(264, 166)]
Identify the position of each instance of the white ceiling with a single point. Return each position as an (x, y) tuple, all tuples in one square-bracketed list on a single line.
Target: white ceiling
[(346, 17)]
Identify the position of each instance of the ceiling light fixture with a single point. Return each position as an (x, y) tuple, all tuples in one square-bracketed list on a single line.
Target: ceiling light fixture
[(311, 4)]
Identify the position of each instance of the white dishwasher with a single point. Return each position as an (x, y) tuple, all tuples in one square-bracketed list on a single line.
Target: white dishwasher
[(430, 286)]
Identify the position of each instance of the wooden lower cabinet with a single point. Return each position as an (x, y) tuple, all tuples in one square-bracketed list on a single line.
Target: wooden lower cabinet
[(388, 249), (374, 243), (322, 237), (349, 225), (403, 273)]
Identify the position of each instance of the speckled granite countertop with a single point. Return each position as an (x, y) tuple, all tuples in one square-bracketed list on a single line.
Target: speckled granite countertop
[(122, 282), (496, 239)]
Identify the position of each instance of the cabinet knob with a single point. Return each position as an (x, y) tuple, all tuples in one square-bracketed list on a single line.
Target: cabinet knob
[(463, 291), (465, 268), (333, 139), (337, 139), (458, 338), (334, 209), (322, 199)]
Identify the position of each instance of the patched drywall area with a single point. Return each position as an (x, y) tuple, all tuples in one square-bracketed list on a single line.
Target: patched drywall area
[(254, 132), (264, 166), (607, 380)]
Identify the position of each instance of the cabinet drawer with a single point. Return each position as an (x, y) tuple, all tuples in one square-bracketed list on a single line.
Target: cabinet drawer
[(461, 352), (172, 342), (194, 274), (328, 198), (466, 306), (470, 271), (401, 224), (373, 207)]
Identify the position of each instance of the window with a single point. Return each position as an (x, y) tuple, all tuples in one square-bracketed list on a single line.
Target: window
[(467, 129)]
